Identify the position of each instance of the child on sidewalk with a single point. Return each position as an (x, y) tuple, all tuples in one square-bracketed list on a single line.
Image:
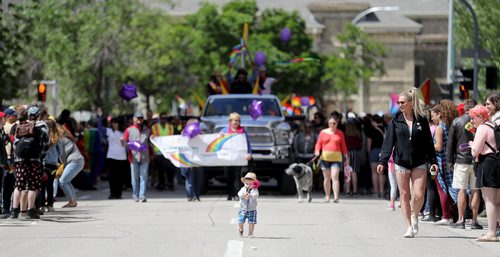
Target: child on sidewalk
[(248, 201)]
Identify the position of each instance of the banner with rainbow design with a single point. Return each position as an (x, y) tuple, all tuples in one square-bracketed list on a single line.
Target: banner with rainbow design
[(204, 150)]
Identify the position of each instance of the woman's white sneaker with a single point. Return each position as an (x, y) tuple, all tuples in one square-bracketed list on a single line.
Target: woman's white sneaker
[(409, 233), (446, 222), (414, 225)]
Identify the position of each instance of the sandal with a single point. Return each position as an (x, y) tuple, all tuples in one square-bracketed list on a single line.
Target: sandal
[(485, 238), (240, 232), (69, 205)]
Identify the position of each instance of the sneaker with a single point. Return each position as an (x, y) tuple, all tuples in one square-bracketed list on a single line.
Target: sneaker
[(475, 225), (445, 222), (391, 208), (32, 214), (143, 200), (428, 219), (460, 225), (409, 233), (250, 236), (414, 225), (4, 216)]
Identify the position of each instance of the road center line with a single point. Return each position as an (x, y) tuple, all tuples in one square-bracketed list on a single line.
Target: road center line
[(234, 248)]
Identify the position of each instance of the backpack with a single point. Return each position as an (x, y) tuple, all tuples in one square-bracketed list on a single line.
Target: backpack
[(496, 131), (29, 144)]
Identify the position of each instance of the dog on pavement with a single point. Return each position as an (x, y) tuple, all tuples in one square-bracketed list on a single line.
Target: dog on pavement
[(303, 176)]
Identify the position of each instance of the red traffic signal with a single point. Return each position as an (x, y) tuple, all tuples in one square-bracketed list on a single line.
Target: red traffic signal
[(42, 92), (464, 92)]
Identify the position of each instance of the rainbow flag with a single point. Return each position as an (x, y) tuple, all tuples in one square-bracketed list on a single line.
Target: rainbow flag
[(235, 53), (394, 103), (296, 101)]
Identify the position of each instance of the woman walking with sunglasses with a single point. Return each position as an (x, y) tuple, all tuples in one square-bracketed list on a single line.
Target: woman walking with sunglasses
[(410, 137)]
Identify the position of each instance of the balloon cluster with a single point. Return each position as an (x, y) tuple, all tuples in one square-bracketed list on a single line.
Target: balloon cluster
[(255, 109), (192, 130)]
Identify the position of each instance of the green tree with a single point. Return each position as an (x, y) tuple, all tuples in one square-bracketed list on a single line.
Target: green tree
[(359, 59), (489, 29)]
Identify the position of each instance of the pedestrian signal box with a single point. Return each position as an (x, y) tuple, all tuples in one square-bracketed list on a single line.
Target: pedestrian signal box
[(42, 92)]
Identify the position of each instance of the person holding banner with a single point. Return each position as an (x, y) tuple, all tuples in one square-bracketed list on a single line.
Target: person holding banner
[(138, 134), (234, 172), (192, 176)]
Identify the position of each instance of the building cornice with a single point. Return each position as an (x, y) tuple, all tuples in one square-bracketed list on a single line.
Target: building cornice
[(337, 7)]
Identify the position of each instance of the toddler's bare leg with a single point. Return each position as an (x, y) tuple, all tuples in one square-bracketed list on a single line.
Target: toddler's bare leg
[(250, 229)]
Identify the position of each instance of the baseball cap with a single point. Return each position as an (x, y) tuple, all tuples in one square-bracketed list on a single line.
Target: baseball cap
[(10, 112), (138, 115), (33, 110)]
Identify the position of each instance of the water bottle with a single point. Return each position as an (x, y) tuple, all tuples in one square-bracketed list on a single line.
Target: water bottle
[(433, 171)]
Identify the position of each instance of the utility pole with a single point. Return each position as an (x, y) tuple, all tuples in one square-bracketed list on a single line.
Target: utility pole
[(450, 69), (476, 49)]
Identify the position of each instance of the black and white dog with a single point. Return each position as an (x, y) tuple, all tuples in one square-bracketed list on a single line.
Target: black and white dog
[(303, 176)]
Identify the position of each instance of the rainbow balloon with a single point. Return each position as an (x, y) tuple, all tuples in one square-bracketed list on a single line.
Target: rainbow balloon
[(216, 145)]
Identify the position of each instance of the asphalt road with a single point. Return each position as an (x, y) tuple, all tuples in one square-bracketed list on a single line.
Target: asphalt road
[(168, 225)]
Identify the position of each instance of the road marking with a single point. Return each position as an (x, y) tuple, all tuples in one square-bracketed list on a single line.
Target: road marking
[(234, 248)]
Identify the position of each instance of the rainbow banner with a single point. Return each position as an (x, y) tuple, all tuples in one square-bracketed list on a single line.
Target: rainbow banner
[(204, 150)]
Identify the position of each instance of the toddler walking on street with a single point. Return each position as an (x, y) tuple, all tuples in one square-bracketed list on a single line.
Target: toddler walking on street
[(248, 195)]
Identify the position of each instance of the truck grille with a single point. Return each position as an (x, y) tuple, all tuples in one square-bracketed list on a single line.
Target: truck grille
[(259, 135)]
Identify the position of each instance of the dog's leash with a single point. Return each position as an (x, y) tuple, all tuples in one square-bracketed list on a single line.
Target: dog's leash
[(312, 160)]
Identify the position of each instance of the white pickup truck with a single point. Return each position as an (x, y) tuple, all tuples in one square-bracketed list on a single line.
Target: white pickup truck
[(270, 135)]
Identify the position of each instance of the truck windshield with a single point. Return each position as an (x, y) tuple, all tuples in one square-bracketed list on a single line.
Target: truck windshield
[(223, 107)]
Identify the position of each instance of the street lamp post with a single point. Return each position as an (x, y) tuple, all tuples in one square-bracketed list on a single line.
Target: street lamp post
[(355, 21)]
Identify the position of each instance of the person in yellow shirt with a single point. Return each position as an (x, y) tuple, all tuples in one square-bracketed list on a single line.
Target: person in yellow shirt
[(162, 164)]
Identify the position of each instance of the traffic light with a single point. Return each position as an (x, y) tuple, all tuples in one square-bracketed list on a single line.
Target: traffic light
[(491, 77), (468, 78), (42, 92), (464, 92)]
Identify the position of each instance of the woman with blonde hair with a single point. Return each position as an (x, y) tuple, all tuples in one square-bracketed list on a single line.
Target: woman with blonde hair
[(410, 137), (234, 172)]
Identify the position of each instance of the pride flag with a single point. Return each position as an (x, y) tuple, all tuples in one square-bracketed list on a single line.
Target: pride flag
[(235, 53)]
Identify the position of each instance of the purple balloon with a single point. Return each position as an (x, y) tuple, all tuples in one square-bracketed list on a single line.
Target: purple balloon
[(255, 109), (136, 146), (128, 92), (304, 101), (192, 130), (260, 58), (285, 35)]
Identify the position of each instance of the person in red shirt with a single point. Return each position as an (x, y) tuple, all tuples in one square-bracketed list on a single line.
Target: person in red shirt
[(331, 144)]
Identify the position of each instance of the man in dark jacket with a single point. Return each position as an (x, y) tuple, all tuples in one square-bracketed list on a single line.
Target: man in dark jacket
[(460, 161)]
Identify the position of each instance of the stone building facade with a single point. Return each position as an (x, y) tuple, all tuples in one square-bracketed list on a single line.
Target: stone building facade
[(415, 37)]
